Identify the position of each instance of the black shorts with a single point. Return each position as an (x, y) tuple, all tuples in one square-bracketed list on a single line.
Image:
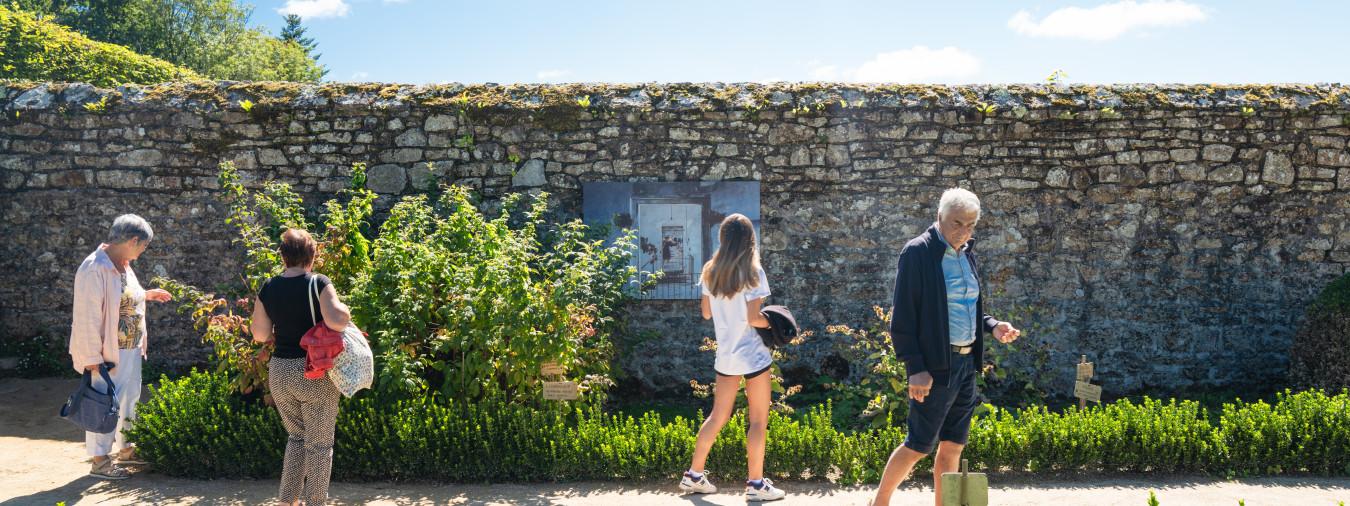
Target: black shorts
[(944, 415), (748, 376)]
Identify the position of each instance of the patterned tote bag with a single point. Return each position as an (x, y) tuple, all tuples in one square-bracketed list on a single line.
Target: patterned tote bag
[(354, 368)]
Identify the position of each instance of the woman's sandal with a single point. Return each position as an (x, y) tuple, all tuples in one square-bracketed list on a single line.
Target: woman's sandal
[(130, 458)]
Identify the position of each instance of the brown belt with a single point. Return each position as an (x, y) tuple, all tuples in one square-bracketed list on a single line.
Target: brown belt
[(963, 350)]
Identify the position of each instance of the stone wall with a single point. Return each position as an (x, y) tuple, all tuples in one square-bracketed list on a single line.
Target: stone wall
[(1172, 234)]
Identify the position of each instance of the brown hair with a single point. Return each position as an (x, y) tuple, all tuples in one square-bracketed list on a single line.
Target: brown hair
[(297, 247), (735, 265)]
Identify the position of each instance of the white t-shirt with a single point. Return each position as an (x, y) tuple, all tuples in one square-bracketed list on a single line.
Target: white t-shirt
[(740, 350)]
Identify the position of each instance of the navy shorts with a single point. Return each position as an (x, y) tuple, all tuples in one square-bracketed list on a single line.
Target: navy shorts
[(944, 415), (748, 376)]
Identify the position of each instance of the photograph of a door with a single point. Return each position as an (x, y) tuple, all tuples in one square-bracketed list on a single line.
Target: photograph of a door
[(675, 235), (676, 224)]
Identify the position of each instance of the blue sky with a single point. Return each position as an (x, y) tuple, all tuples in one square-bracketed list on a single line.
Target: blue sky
[(1093, 41)]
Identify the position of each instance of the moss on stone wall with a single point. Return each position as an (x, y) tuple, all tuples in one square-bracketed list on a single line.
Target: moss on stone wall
[(567, 100)]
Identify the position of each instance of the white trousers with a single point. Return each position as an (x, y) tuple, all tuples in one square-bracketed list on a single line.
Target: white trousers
[(127, 380)]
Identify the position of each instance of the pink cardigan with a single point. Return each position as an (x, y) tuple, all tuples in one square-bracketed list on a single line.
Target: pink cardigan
[(94, 316)]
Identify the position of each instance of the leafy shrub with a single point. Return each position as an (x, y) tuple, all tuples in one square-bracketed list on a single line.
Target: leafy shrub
[(1018, 374), (882, 383), (469, 307), (1121, 436), (456, 303), (210, 37), (197, 426), (259, 218), (38, 356), (44, 51), (875, 392), (1306, 431), (1320, 354)]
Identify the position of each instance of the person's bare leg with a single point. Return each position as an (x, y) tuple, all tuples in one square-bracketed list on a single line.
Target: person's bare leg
[(757, 394), (898, 468), (724, 401), (947, 460)]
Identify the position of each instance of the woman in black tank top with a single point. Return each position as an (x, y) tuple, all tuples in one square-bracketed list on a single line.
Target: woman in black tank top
[(283, 312)]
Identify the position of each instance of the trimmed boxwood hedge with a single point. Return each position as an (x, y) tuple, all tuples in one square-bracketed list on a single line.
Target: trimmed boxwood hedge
[(41, 50), (195, 426)]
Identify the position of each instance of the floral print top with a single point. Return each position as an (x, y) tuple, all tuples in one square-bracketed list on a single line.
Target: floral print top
[(130, 322)]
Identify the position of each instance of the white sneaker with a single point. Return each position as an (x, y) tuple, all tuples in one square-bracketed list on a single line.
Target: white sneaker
[(768, 493), (702, 486)]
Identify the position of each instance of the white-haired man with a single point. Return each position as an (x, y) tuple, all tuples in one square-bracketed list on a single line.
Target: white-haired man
[(936, 328)]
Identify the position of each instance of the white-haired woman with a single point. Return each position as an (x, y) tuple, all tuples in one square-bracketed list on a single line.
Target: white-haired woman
[(108, 327)]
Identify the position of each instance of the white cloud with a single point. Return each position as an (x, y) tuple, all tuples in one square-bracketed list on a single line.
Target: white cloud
[(360, 76), (309, 9), (1107, 21), (918, 64), (552, 74), (824, 73), (395, 1)]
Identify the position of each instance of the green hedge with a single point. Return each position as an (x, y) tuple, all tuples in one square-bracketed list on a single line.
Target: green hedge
[(194, 426), (40, 50)]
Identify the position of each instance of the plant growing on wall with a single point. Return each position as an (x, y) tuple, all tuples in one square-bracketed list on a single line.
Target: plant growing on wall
[(465, 142), (1056, 78), (99, 107)]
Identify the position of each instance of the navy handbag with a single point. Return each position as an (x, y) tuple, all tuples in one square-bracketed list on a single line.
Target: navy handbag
[(92, 410)]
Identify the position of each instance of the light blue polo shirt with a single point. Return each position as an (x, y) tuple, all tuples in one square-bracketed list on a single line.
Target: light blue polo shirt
[(963, 292)]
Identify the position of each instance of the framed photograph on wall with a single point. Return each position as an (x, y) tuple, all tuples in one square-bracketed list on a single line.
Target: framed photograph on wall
[(676, 224)]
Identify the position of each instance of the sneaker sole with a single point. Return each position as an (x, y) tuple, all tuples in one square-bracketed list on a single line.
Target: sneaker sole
[(697, 491)]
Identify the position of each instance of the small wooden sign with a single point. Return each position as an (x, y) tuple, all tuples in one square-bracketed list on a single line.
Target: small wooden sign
[(1083, 390), (551, 369), (1087, 391), (561, 390), (965, 488)]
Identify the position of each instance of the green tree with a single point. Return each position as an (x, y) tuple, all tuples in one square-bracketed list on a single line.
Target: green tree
[(257, 56), (101, 20), (211, 37), (41, 50), (294, 32)]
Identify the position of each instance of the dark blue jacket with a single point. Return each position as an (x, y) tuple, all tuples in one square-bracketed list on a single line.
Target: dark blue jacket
[(919, 329)]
